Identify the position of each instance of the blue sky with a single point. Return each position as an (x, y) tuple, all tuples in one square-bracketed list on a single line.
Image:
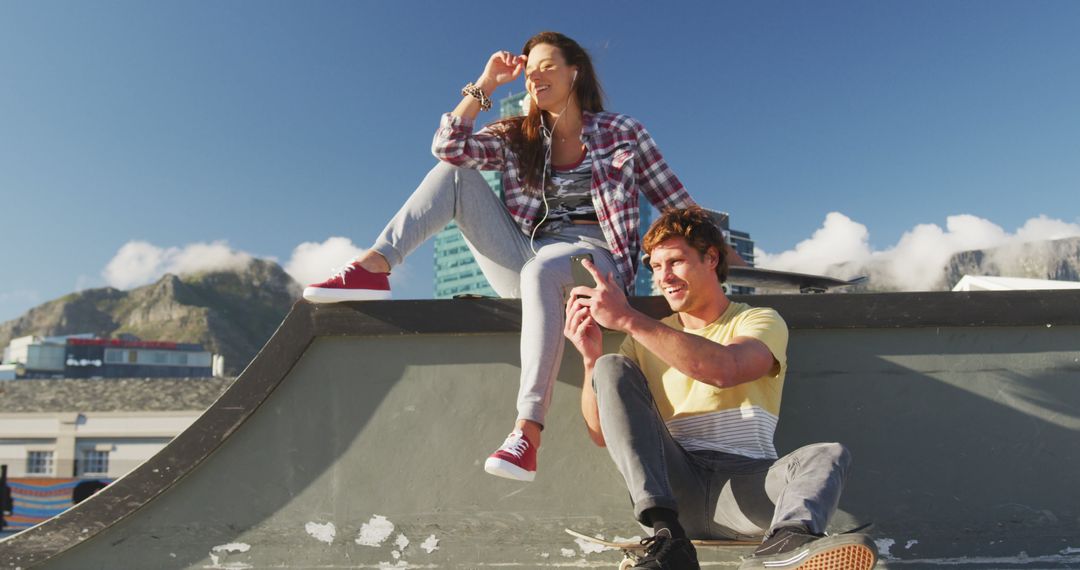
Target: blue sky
[(267, 125)]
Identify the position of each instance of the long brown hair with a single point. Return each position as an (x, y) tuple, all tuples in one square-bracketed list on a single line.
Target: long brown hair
[(523, 133)]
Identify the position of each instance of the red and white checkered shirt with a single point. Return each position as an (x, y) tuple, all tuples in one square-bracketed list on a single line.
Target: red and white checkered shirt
[(625, 162)]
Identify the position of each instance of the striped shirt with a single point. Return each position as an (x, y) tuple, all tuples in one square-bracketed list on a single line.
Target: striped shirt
[(625, 163), (740, 419), (746, 431)]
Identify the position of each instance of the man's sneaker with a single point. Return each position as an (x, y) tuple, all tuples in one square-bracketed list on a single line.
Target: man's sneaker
[(796, 547), (663, 552), (515, 458), (350, 283)]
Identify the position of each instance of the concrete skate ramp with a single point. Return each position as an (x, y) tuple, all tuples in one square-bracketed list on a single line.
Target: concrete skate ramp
[(355, 440)]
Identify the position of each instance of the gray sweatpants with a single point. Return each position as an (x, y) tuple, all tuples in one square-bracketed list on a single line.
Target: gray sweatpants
[(717, 495), (541, 280)]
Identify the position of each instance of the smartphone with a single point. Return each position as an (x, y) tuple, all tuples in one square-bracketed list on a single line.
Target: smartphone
[(578, 271)]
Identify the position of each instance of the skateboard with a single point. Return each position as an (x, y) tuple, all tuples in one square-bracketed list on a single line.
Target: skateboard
[(632, 550)]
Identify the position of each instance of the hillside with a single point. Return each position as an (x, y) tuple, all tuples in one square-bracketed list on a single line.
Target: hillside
[(1057, 259), (231, 313)]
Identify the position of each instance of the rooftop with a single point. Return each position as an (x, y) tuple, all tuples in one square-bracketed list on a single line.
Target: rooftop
[(110, 394)]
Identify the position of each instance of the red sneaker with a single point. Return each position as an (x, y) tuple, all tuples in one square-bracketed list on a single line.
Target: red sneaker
[(515, 458), (350, 283)]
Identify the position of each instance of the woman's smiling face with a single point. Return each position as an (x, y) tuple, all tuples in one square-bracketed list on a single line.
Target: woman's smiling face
[(548, 78)]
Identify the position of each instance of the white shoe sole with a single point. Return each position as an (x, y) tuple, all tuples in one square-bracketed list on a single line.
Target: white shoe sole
[(320, 295), (501, 468)]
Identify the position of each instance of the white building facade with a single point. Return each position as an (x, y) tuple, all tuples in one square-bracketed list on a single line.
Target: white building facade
[(93, 444), (95, 428)]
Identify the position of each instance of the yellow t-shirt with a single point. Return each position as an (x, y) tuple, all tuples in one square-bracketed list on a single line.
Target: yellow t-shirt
[(740, 419)]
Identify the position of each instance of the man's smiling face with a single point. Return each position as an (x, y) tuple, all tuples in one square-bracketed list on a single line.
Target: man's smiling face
[(684, 276)]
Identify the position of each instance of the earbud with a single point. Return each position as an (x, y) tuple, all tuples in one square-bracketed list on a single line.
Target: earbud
[(574, 78)]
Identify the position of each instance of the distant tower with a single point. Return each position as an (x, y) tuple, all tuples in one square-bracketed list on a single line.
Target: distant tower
[(643, 286), (456, 270), (740, 241)]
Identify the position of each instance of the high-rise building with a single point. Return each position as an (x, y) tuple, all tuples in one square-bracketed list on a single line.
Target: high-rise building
[(643, 286), (456, 270), (740, 241)]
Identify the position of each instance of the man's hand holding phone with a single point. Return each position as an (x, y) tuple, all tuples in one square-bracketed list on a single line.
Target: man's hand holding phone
[(583, 331), (606, 302), (580, 327)]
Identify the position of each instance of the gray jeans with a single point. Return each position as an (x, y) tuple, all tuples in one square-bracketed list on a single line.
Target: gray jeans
[(541, 280), (717, 495)]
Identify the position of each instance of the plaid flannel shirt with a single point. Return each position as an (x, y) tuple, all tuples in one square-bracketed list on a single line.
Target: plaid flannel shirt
[(625, 163)]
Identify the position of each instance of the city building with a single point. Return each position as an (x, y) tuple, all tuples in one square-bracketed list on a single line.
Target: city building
[(86, 356), (456, 270), (740, 241), (643, 285)]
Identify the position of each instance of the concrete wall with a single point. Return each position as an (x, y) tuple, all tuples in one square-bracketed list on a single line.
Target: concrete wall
[(964, 438)]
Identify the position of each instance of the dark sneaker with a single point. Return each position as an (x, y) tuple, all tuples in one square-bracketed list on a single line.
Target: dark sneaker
[(666, 553), (350, 283), (795, 547)]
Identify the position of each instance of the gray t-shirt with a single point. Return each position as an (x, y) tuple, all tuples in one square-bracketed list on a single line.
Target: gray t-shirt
[(569, 193)]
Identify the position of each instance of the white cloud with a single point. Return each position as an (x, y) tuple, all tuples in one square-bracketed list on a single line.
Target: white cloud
[(1042, 228), (216, 256), (312, 262), (839, 240), (136, 263), (139, 262), (917, 262)]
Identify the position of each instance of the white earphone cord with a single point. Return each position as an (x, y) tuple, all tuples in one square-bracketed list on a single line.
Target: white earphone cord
[(547, 158)]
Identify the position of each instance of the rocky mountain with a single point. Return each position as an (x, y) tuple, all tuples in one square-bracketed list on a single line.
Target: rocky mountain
[(231, 312), (1056, 259)]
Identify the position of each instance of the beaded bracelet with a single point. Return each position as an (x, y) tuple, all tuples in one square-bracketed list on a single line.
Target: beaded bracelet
[(475, 92)]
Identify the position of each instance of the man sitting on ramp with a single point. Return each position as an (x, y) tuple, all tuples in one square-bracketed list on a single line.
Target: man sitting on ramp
[(688, 406)]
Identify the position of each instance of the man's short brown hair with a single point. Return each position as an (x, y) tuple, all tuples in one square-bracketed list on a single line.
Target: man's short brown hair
[(697, 227)]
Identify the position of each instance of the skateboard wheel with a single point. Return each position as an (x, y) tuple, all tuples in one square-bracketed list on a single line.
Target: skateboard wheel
[(626, 564)]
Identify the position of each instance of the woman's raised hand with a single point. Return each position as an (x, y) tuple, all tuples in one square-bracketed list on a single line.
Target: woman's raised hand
[(502, 68)]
